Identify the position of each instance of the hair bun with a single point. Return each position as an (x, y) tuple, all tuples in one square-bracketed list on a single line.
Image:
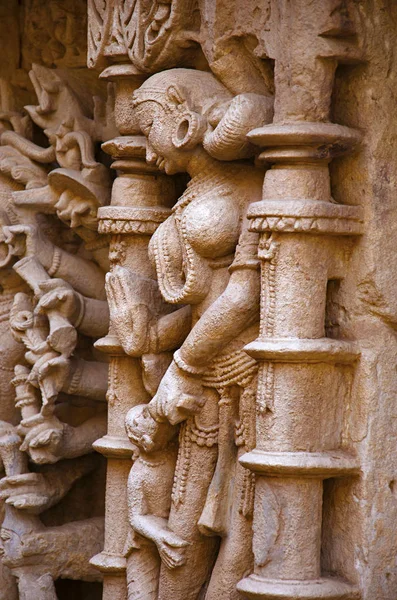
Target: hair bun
[(228, 141)]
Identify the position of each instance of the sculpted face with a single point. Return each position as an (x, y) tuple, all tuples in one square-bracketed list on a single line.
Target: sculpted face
[(144, 431), (159, 126), (77, 212), (141, 428)]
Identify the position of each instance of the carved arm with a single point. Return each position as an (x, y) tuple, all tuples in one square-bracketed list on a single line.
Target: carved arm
[(235, 310), (36, 492), (170, 331), (87, 378), (84, 275)]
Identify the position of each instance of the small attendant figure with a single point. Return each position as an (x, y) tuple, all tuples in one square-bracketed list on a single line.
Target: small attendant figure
[(150, 542)]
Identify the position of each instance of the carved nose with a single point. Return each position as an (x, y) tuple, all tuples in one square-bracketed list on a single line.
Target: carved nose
[(151, 156)]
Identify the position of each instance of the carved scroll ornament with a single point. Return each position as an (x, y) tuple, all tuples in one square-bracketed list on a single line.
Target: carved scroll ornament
[(154, 35)]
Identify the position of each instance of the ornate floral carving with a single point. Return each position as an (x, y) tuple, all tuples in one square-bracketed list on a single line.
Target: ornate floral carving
[(154, 35)]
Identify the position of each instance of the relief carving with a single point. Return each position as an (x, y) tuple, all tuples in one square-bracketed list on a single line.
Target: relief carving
[(154, 35), (177, 284), (57, 297), (205, 259)]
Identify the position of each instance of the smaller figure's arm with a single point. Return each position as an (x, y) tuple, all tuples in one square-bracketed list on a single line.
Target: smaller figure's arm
[(148, 526), (171, 546), (36, 492)]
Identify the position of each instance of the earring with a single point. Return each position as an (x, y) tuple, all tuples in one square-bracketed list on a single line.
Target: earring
[(189, 130)]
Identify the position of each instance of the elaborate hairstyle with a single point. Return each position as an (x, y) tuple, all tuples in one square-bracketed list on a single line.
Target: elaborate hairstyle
[(206, 112)]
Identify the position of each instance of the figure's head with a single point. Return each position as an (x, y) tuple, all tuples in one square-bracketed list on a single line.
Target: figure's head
[(80, 194), (170, 112), (144, 431), (182, 111), (76, 211), (10, 546)]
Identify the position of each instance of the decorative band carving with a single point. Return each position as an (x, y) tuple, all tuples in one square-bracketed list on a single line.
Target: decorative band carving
[(310, 216), (125, 220), (255, 587), (114, 447), (295, 350), (109, 563)]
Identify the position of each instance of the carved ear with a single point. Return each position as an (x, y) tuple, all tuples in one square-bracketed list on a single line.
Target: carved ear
[(189, 130), (174, 95)]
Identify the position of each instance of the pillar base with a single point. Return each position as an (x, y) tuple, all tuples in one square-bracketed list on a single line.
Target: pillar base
[(257, 588)]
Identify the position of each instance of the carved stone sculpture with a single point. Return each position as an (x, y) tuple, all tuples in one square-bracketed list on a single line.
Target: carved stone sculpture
[(197, 234)]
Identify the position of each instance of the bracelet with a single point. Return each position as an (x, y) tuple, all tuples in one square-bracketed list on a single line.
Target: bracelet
[(80, 316), (56, 261), (185, 367), (75, 380)]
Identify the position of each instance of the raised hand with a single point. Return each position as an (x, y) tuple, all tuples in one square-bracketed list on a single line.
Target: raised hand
[(179, 395), (129, 314), (59, 295), (43, 439), (27, 240), (31, 492)]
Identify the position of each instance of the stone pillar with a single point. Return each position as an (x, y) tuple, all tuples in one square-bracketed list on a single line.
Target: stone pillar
[(136, 210), (304, 375), (302, 380)]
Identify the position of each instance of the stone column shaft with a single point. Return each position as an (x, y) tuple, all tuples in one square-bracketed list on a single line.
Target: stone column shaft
[(299, 398), (136, 210)]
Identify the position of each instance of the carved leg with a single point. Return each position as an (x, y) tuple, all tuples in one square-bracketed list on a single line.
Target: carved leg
[(8, 584), (235, 558), (143, 569)]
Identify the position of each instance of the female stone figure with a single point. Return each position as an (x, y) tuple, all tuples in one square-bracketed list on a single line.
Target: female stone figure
[(205, 257)]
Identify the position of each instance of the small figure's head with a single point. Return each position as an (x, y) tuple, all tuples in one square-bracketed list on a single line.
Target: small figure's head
[(76, 211), (80, 194), (184, 112), (147, 433), (11, 546)]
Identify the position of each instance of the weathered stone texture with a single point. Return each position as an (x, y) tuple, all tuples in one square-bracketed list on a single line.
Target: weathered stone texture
[(197, 282)]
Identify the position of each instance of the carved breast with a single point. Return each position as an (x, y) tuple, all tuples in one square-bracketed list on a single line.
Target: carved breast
[(212, 226)]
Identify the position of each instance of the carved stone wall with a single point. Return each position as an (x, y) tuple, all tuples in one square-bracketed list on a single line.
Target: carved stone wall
[(197, 296)]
